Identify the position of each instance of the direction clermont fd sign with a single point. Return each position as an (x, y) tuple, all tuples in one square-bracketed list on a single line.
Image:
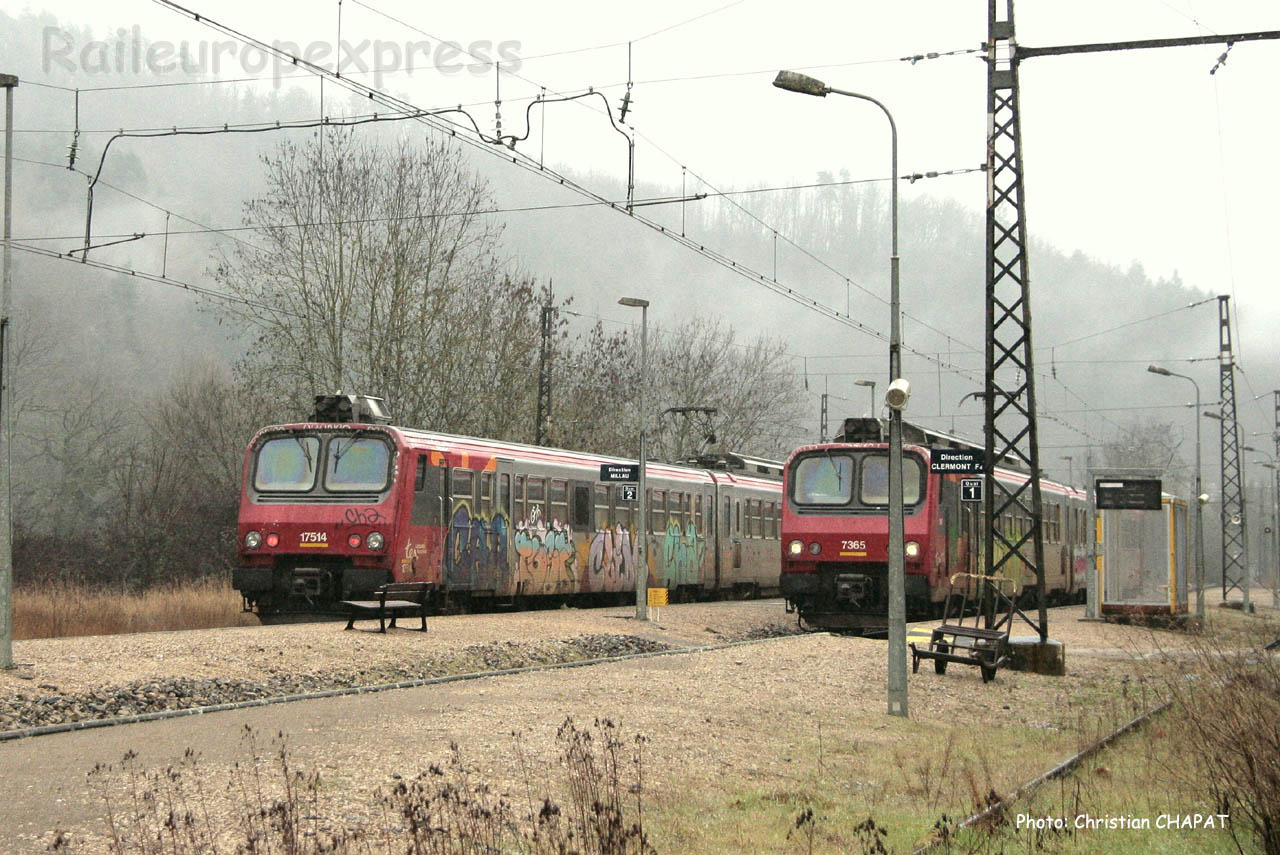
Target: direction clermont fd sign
[(956, 461)]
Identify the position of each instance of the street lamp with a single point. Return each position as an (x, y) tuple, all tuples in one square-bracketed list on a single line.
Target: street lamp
[(896, 398), (872, 384), (642, 569), (1238, 520), (1164, 372)]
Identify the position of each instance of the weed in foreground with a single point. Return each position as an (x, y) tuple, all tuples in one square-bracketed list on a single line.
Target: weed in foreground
[(445, 810)]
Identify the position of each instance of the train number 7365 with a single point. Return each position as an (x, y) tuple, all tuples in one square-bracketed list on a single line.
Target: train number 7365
[(853, 544)]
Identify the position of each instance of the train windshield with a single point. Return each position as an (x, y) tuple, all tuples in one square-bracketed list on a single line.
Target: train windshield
[(287, 464), (873, 485), (838, 479), (357, 463), (825, 479)]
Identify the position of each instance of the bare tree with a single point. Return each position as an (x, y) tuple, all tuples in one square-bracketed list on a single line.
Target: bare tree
[(376, 269)]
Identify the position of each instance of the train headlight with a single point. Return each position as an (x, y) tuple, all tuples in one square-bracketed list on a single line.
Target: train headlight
[(912, 549), (353, 541), (273, 539), (795, 547), (374, 541), (253, 540), (815, 548)]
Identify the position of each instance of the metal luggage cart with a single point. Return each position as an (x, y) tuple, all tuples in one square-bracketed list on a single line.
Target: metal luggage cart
[(980, 600)]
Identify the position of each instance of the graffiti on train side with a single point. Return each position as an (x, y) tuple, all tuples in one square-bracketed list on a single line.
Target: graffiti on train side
[(545, 557), (476, 550), (682, 554), (613, 559)]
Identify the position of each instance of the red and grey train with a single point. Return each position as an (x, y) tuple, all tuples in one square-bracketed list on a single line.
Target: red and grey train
[(332, 508), (835, 530)]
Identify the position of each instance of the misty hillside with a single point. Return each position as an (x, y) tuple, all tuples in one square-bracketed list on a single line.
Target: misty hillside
[(141, 332)]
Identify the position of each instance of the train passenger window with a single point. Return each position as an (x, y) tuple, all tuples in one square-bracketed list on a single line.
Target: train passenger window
[(420, 479), (675, 512), (558, 500), (519, 508), (777, 518), (604, 519), (486, 494), (687, 516), (504, 494), (464, 483), (874, 481), (622, 511), (582, 506), (728, 515), (657, 512), (697, 514), (823, 479), (769, 531), (757, 529), (737, 517), (535, 495)]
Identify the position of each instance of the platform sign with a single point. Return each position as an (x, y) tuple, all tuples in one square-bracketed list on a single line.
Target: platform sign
[(1127, 494), (956, 461), (628, 492), (620, 473), (971, 489), (657, 596)]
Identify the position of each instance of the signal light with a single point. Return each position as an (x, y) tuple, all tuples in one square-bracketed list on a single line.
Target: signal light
[(273, 539), (912, 549), (353, 541), (795, 547), (815, 548)]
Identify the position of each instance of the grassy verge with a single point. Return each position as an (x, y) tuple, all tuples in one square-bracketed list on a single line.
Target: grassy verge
[(60, 610)]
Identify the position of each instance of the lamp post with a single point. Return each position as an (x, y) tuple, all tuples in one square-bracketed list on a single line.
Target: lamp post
[(1240, 520), (895, 398), (1164, 372), (872, 384), (642, 567)]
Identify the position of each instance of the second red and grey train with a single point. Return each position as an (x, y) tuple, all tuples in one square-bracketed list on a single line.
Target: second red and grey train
[(332, 508), (835, 530)]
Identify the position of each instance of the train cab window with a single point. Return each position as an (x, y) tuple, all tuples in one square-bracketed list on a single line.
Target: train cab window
[(604, 517), (535, 496), (558, 500), (463, 484), (486, 494), (504, 494), (357, 464), (657, 512), (420, 477), (823, 479), (873, 483), (582, 506)]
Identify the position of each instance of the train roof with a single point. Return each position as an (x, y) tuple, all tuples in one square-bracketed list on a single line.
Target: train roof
[(733, 468)]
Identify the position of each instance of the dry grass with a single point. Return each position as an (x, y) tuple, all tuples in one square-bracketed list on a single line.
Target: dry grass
[(61, 610)]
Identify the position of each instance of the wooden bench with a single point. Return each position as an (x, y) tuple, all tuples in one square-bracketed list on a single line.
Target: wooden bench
[(392, 600)]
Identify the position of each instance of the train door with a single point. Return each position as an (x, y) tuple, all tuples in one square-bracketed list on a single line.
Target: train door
[(463, 541), (424, 544)]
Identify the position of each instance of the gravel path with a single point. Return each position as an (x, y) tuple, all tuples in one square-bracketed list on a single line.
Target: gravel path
[(739, 714)]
